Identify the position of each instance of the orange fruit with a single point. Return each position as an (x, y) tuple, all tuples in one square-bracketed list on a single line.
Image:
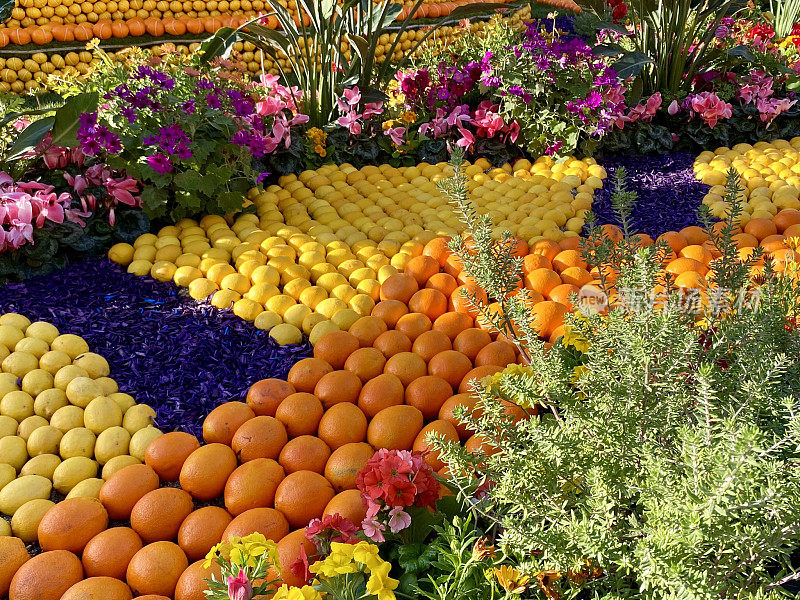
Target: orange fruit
[(392, 342), (691, 280), (611, 231), (253, 485), (41, 36), (542, 281), (46, 576), (262, 437), (98, 588), (470, 401), (745, 240), (70, 524), (792, 231), (546, 248), (568, 258), (108, 553), (427, 394), (771, 243), (390, 311), (222, 422), (577, 276), (303, 377), (478, 444), (431, 303), (380, 392), (546, 316), (302, 496), (349, 505), (760, 228), (12, 556), (338, 386), (345, 463), (207, 469), (395, 427), (476, 373), (174, 27), (119, 29), (156, 568), (158, 515), (192, 582), (83, 32), (461, 304), (400, 286), (698, 253), (498, 353), (365, 363), (442, 282), (167, 453), (453, 266), (288, 550), (430, 343), (570, 243), (300, 414), (268, 522), (136, 27), (125, 488), (407, 366), (442, 429), (413, 325), (422, 268), (343, 423), (674, 240), (335, 347), (304, 453), (201, 530), (786, 218), (152, 597), (681, 265), (451, 366), (453, 323), (471, 341), (264, 396), (438, 250), (694, 235), (367, 329), (193, 25), (531, 262)]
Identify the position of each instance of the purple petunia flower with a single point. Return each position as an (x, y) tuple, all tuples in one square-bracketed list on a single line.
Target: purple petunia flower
[(160, 163)]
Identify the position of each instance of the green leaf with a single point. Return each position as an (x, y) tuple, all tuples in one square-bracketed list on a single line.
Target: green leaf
[(230, 201), (218, 45), (29, 138), (67, 117), (743, 52), (6, 6), (631, 64), (154, 201), (189, 180)]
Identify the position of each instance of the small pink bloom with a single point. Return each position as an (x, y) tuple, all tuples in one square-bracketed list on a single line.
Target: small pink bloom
[(398, 519), (239, 587), (673, 108), (373, 530), (396, 135), (467, 139)]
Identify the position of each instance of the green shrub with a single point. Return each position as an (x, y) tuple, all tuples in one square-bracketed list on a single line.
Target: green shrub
[(665, 460)]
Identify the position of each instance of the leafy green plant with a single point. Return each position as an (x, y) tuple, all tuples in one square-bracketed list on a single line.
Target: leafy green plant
[(666, 460), (786, 13), (334, 48)]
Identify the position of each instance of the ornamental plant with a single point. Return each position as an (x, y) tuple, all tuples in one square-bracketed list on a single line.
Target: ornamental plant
[(665, 460), (196, 139), (354, 571), (249, 567)]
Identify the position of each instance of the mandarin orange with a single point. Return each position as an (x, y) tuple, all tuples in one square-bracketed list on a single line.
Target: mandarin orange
[(302, 496), (207, 469), (269, 522), (380, 392), (430, 343), (303, 377), (262, 437), (441, 429), (451, 366), (336, 387), (334, 348), (366, 363), (167, 453), (395, 427), (304, 453), (345, 463), (300, 414), (156, 568), (253, 485), (343, 423), (202, 529), (158, 515), (390, 311), (368, 329), (264, 396), (125, 488), (407, 366)]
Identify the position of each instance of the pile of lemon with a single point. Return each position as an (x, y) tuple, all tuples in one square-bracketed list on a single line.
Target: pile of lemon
[(313, 255), (769, 175), (63, 422)]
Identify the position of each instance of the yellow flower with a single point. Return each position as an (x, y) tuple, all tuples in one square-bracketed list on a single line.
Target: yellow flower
[(292, 593), (367, 554), (408, 116), (511, 580), (338, 562), (576, 340), (380, 584), (221, 550)]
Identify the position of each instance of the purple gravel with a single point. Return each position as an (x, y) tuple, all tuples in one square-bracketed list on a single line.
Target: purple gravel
[(180, 357), (669, 194)]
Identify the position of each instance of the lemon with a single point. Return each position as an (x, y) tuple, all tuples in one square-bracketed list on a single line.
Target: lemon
[(279, 304), (44, 440), (247, 309), (310, 321), (82, 390), (17, 404), (72, 345), (140, 267), (224, 299), (163, 270), (88, 488), (267, 320), (321, 329), (344, 318), (185, 275), (43, 465), (201, 288), (141, 440), (78, 441), (295, 315), (266, 274), (138, 417), (94, 364), (285, 334), (13, 451), (8, 426), (54, 360), (33, 346), (102, 413), (20, 363), (167, 254), (17, 320), (43, 331), (10, 336), (118, 462)]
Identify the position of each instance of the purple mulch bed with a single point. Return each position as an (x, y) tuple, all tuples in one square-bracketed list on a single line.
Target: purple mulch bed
[(669, 194), (180, 357)]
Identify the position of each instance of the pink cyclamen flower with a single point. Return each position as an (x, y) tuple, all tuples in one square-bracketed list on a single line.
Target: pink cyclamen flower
[(123, 190), (396, 135), (373, 530), (673, 108), (350, 97), (710, 107), (239, 587), (398, 519), (467, 139), (352, 121)]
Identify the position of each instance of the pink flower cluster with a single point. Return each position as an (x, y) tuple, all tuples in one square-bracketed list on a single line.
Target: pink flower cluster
[(641, 112), (758, 90), (391, 482), (118, 188), (708, 106), (485, 119), (24, 205), (351, 119)]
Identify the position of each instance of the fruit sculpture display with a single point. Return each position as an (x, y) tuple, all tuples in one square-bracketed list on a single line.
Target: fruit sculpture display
[(64, 425), (313, 256)]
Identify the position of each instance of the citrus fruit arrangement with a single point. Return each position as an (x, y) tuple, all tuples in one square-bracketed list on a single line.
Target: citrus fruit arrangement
[(64, 424)]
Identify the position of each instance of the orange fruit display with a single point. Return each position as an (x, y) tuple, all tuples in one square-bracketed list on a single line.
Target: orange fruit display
[(442, 429), (443, 282), (345, 463), (206, 470), (430, 343), (70, 524), (367, 329), (98, 588), (158, 515), (451, 366), (300, 414), (380, 392), (338, 386), (400, 286), (109, 552), (349, 505), (201, 530), (413, 325), (261, 437), (343, 423), (406, 366), (12, 556), (124, 489), (499, 353), (304, 376), (422, 268), (304, 453), (390, 311), (46, 576), (192, 582), (453, 323), (289, 549), (265, 396), (156, 568), (271, 523), (469, 401), (392, 342), (432, 303), (335, 347), (395, 427), (253, 485), (167, 453), (302, 496), (427, 394), (222, 422), (365, 363), (470, 342)]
